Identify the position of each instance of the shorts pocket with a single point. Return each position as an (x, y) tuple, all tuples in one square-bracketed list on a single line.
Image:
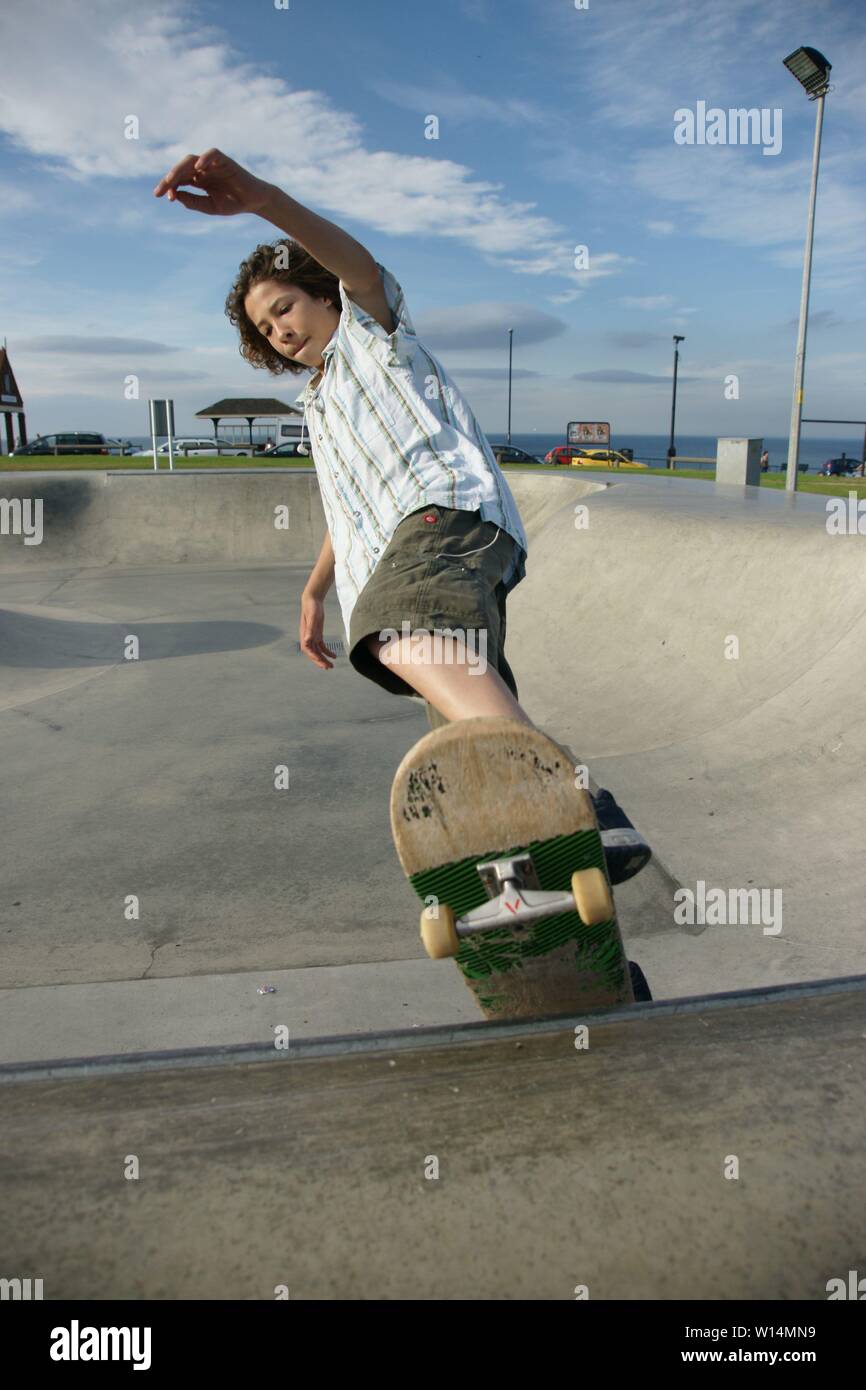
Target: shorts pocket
[(466, 542)]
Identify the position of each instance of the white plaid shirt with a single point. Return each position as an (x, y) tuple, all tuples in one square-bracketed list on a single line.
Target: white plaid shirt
[(391, 433)]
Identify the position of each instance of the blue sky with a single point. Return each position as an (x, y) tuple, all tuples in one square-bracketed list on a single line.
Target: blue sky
[(556, 129)]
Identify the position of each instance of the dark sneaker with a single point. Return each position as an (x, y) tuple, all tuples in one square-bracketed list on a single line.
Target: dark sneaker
[(640, 988), (625, 849)]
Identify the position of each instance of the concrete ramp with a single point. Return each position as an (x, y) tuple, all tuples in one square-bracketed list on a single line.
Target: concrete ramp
[(700, 646), (166, 518), (704, 647), (607, 1169)]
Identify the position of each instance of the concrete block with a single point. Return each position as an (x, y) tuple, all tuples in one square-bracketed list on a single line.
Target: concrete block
[(739, 461)]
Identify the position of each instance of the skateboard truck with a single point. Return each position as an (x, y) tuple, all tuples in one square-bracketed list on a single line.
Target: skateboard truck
[(516, 899)]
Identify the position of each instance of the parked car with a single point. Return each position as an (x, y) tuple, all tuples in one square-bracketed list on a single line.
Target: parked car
[(838, 468), (288, 449), (507, 453), (612, 457), (187, 446), (564, 453), (76, 442), (578, 456)]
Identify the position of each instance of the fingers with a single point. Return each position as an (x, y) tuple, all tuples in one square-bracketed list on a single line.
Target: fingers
[(314, 648), (199, 202), (186, 170), (211, 156), (181, 173)]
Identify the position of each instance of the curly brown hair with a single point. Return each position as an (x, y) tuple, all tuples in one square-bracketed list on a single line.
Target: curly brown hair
[(293, 266)]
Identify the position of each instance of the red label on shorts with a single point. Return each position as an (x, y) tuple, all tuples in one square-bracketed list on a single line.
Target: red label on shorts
[(430, 516)]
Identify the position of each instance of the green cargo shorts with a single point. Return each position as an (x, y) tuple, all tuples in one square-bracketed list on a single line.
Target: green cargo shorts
[(442, 569)]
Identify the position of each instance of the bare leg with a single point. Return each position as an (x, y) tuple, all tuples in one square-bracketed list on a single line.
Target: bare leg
[(456, 688)]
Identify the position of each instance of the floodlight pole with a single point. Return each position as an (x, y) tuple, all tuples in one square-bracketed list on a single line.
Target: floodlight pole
[(672, 453), (800, 359), (510, 340)]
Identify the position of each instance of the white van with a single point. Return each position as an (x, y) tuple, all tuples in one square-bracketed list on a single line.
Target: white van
[(187, 447)]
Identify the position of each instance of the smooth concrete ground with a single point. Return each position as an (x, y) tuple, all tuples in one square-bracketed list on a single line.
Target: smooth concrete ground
[(706, 1151), (155, 777)]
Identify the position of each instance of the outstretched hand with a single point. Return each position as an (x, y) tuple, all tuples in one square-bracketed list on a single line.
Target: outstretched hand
[(311, 633), (227, 187)]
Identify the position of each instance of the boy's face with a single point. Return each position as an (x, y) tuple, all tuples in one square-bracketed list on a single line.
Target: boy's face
[(294, 323)]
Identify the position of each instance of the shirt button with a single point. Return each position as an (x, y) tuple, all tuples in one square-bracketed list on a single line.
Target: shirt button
[(375, 550)]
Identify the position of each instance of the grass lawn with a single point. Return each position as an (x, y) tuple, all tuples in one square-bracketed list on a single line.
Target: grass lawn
[(90, 463), (806, 482)]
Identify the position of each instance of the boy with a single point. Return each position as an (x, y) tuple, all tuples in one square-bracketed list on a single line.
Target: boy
[(422, 527), (424, 535)]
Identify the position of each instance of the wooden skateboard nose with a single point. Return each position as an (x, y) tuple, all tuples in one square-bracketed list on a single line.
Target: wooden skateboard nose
[(493, 796)]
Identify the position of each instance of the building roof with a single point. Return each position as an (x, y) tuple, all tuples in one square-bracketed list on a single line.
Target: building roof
[(10, 396), (245, 406)]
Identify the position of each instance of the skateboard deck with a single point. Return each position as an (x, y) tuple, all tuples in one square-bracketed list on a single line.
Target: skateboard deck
[(505, 852)]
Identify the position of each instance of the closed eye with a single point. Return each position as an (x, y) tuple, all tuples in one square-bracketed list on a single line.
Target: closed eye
[(285, 309)]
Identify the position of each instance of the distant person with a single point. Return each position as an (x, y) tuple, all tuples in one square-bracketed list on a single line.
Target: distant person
[(765, 461)]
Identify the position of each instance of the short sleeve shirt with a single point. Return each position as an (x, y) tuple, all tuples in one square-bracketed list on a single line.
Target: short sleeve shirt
[(390, 432)]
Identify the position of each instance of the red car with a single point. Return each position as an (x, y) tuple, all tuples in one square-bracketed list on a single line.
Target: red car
[(564, 453)]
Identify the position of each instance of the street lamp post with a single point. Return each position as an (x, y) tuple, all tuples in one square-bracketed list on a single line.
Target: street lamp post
[(811, 70), (510, 339), (672, 453)]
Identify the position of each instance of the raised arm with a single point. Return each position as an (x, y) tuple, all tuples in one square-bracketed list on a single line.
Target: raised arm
[(329, 244), (335, 250), (224, 188)]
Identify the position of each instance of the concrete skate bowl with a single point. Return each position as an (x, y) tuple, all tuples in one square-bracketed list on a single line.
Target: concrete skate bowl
[(702, 646), (740, 759)]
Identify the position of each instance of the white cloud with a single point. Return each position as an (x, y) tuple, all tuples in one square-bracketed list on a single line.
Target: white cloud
[(174, 75), (732, 57), (14, 198), (455, 105), (728, 197), (485, 325), (649, 302)]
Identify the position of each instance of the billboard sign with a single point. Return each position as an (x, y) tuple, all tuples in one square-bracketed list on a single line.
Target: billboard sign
[(593, 432)]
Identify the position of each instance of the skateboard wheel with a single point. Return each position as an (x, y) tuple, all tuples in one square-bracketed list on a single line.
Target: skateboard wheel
[(592, 897), (439, 934)]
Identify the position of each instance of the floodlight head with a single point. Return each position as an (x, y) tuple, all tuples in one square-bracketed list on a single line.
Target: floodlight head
[(811, 70), (679, 338)]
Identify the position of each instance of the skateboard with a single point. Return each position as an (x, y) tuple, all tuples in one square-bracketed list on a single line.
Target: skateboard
[(505, 853)]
